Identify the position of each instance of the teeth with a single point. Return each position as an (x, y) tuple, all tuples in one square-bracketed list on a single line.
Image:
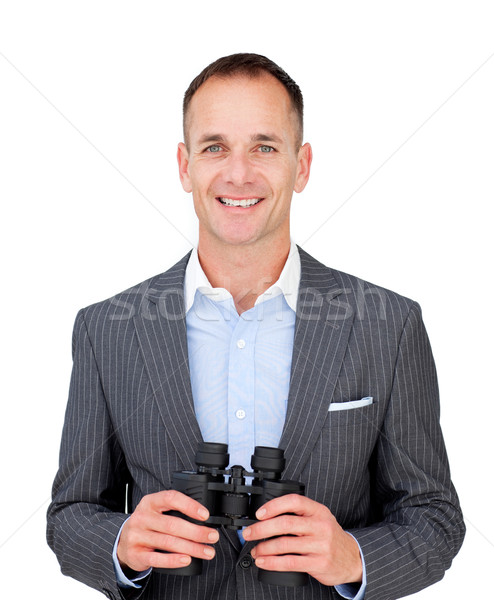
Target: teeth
[(246, 202)]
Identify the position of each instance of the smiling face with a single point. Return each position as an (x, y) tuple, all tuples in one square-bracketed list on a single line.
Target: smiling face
[(243, 161)]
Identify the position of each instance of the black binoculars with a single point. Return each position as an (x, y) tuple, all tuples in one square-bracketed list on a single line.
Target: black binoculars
[(231, 502)]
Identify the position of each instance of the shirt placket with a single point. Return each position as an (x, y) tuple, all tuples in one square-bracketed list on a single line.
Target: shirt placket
[(241, 389)]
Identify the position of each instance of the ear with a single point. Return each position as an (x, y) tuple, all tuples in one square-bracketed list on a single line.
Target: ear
[(183, 167), (303, 168)]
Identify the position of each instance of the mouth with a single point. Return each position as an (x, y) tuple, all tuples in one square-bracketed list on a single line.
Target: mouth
[(243, 203)]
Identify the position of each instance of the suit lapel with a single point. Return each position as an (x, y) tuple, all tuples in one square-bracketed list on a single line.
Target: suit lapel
[(162, 335), (323, 325), (322, 328)]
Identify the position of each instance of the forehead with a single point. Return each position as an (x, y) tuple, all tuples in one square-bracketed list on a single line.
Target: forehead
[(240, 103)]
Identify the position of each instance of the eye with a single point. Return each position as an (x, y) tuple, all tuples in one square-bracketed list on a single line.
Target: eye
[(266, 149), (214, 148)]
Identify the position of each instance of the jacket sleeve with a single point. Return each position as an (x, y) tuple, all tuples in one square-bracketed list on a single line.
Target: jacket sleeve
[(419, 526), (88, 500)]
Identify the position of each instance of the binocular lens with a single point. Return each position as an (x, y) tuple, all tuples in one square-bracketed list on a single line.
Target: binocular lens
[(214, 455), (268, 459)]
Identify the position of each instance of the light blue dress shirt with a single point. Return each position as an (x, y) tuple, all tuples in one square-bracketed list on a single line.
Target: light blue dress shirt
[(240, 367), (240, 372)]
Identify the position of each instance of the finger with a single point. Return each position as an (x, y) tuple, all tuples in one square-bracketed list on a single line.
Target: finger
[(148, 558), (289, 562), (277, 526), (176, 545), (173, 500), (160, 560), (286, 545), (181, 528), (144, 519), (291, 503)]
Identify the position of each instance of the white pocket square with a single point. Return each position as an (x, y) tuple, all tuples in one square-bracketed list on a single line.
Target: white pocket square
[(348, 405)]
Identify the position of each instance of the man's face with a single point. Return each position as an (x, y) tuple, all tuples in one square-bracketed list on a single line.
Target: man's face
[(242, 162)]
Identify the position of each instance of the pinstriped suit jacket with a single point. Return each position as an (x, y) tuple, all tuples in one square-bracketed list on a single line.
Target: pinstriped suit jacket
[(381, 469)]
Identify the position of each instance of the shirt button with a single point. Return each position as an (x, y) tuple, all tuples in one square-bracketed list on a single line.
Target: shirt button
[(240, 344), (240, 414)]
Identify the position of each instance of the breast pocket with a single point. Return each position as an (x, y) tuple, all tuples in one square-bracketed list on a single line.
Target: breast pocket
[(348, 438), (353, 412), (351, 405), (342, 456)]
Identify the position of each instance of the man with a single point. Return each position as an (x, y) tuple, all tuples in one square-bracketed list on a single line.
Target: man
[(250, 341)]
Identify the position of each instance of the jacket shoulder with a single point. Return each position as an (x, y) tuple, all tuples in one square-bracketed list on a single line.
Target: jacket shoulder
[(353, 290)]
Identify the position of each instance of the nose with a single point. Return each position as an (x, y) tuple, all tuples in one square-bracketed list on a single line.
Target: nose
[(238, 169)]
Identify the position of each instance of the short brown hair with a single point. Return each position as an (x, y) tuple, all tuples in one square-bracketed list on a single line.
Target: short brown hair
[(250, 65)]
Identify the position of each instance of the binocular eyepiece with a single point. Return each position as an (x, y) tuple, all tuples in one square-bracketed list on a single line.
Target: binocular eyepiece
[(231, 502)]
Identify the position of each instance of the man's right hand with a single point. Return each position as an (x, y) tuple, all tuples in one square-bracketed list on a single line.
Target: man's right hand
[(148, 529)]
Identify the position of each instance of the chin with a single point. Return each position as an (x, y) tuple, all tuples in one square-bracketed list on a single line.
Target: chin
[(237, 239)]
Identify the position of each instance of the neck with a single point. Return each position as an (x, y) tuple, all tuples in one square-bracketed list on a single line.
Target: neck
[(246, 271)]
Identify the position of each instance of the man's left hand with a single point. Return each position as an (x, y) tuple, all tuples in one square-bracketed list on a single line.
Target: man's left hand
[(308, 539)]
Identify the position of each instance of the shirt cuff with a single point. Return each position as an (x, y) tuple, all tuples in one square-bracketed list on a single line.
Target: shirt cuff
[(354, 591), (122, 580)]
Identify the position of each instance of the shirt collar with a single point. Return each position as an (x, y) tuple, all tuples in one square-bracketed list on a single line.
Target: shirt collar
[(287, 284)]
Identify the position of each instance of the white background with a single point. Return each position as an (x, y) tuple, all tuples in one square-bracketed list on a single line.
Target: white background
[(399, 110)]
